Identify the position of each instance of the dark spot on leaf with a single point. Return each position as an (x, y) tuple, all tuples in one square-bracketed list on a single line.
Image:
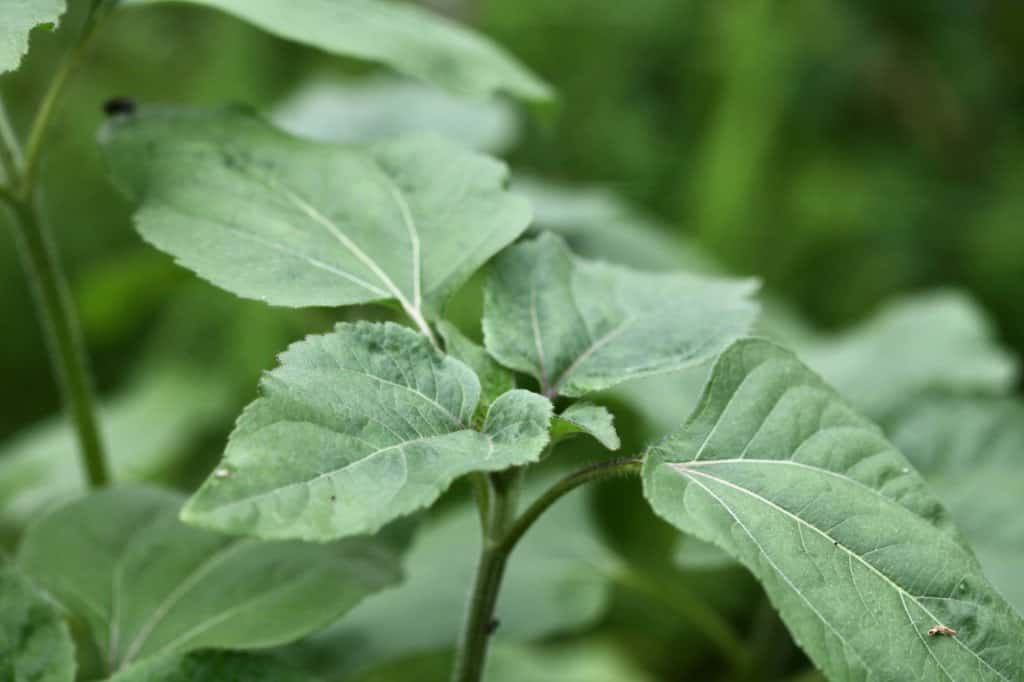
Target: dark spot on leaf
[(493, 626), (334, 498), (119, 106)]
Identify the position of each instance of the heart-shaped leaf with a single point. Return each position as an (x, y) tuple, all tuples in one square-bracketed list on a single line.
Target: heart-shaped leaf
[(859, 558), (148, 585), (580, 326), (35, 645), (407, 38), (297, 223), (356, 428), (19, 18)]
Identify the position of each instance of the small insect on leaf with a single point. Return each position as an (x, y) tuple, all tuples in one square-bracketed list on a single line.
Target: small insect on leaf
[(119, 106), (941, 630)]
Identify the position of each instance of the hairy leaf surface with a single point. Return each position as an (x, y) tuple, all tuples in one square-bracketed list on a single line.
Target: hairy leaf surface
[(407, 38), (580, 326), (356, 428), (494, 379), (854, 551), (148, 585), (594, 420), (971, 451), (19, 18), (297, 223), (35, 645)]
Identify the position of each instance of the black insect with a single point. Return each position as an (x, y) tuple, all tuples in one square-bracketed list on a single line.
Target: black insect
[(119, 106)]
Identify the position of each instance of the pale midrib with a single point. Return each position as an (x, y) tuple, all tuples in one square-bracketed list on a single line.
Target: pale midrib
[(689, 472), (595, 346)]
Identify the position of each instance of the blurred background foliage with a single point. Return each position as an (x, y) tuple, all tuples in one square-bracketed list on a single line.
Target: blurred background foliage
[(846, 153)]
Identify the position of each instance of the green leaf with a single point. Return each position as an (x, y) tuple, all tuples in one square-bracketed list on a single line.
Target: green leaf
[(372, 109), (146, 427), (494, 379), (35, 645), (593, 420), (971, 451), (580, 326), (19, 18), (357, 428), (148, 585), (558, 579), (211, 666), (934, 341), (854, 551), (297, 223), (407, 38)]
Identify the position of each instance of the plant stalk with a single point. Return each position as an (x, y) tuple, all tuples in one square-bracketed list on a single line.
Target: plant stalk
[(500, 535), (63, 338)]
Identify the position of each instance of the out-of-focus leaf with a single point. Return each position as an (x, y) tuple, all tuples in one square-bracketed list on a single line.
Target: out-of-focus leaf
[(146, 429), (148, 585), (933, 341), (558, 579), (594, 420), (298, 223), (854, 551), (359, 111), (19, 18), (35, 645), (495, 380), (401, 35), (211, 666), (579, 326), (971, 451), (356, 428)]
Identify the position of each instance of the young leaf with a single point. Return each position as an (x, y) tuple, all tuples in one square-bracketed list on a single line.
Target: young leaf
[(211, 666), (494, 379), (19, 18), (148, 585), (878, 369), (356, 428), (593, 420), (297, 223), (856, 554), (971, 451), (35, 645), (580, 326), (407, 38), (559, 579)]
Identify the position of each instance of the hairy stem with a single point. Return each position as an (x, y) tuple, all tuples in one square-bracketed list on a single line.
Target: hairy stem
[(63, 338), (500, 535)]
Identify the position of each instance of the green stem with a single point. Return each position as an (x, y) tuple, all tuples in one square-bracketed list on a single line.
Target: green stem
[(63, 340), (10, 152), (500, 536)]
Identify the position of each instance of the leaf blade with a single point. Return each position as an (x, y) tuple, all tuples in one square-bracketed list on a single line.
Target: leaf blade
[(594, 420), (853, 550), (35, 643), (20, 17)]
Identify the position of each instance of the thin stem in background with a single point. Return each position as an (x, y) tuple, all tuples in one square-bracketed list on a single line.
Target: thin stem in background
[(500, 535)]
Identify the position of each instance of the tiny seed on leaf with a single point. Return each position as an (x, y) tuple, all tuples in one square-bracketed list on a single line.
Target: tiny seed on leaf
[(941, 630)]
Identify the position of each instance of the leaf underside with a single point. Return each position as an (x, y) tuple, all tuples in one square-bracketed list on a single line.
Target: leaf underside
[(19, 18), (579, 326), (356, 428), (854, 551), (407, 38), (297, 223), (148, 585)]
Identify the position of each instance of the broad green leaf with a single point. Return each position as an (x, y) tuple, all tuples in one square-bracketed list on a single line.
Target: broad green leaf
[(211, 666), (17, 19), (854, 551), (933, 341), (356, 428), (35, 645), (586, 661), (971, 451), (373, 109), (146, 428), (148, 585), (297, 223), (407, 38), (579, 326), (593, 420), (558, 579), (494, 379)]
